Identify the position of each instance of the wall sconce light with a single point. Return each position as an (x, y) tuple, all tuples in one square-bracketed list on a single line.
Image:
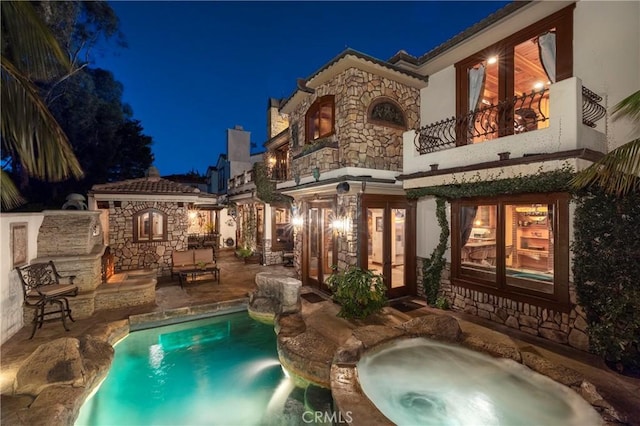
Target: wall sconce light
[(297, 221), (342, 225)]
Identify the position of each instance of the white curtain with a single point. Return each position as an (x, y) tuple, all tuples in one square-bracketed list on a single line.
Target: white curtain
[(547, 49), (476, 86)]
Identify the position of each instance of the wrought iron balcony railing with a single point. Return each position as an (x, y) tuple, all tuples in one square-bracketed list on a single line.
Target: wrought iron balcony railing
[(279, 174), (592, 111), (517, 115)]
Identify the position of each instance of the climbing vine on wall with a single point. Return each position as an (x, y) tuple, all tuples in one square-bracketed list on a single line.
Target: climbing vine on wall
[(606, 267), (477, 186), (433, 266), (265, 187)]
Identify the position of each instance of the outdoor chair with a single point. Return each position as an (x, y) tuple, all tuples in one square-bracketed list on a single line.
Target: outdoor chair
[(41, 284)]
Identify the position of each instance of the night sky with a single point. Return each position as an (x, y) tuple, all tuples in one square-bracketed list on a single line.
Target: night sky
[(194, 69)]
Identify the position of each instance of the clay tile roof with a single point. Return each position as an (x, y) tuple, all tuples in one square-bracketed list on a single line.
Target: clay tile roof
[(146, 185)]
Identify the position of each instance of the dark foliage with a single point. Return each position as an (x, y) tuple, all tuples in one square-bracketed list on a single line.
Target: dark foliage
[(107, 141), (606, 272), (433, 266)]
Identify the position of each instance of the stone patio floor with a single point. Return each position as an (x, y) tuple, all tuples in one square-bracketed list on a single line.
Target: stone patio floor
[(237, 280)]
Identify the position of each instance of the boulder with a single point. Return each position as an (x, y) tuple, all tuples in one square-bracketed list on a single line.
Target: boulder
[(54, 363), (561, 374), (65, 362), (441, 327), (274, 294)]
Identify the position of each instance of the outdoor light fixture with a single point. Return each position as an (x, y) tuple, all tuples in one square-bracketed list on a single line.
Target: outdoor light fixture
[(341, 224), (492, 60), (343, 188), (297, 221)]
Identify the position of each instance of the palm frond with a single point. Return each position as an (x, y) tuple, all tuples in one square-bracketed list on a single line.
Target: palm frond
[(9, 196), (32, 47), (617, 173), (31, 132), (628, 107)]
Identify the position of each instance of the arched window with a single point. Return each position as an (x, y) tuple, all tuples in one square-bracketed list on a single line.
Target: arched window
[(149, 225), (320, 118), (386, 112)]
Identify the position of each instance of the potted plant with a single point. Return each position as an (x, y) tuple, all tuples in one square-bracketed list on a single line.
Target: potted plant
[(248, 255), (359, 292)]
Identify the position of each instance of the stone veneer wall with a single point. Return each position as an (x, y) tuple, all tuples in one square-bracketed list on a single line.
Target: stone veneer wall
[(271, 257), (347, 245), (566, 328), (130, 255), (73, 240), (361, 143)]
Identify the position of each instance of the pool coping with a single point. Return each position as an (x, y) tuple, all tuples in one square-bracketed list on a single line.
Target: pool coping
[(353, 404), (184, 314)]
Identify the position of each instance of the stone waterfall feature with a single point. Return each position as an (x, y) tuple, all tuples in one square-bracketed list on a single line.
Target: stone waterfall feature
[(275, 294)]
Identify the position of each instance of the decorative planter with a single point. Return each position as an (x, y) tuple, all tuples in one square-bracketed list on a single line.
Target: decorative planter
[(254, 258)]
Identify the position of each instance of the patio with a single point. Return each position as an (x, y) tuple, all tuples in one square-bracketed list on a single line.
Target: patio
[(237, 280)]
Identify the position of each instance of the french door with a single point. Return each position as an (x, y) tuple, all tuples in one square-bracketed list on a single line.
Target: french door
[(320, 245), (387, 244)]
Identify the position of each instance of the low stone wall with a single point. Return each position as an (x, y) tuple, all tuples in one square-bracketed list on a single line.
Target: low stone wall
[(126, 289), (566, 328), (275, 294), (271, 257)]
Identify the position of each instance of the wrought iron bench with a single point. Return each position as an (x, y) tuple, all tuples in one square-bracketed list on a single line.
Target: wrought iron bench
[(41, 286)]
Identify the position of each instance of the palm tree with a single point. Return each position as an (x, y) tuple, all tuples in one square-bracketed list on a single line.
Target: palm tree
[(30, 134), (618, 172)]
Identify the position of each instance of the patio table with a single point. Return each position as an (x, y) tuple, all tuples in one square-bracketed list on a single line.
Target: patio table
[(195, 272)]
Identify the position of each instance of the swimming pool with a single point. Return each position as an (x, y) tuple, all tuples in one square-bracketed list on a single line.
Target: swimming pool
[(222, 370)]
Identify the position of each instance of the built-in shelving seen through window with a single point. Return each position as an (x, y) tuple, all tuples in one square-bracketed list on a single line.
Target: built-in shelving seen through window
[(512, 245)]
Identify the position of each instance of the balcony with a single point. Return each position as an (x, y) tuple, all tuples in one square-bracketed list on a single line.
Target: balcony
[(278, 174), (564, 117), (241, 183)]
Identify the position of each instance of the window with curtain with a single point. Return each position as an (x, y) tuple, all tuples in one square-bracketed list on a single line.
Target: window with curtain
[(149, 226), (512, 245), (527, 62), (320, 118)]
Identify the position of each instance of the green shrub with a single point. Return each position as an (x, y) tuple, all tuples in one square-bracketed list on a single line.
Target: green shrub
[(244, 252), (442, 303), (606, 268), (359, 292)]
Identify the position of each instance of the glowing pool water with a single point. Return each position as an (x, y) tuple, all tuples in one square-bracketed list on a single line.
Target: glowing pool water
[(419, 381), (222, 370)]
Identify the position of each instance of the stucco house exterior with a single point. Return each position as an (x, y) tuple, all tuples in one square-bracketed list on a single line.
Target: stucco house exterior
[(146, 219), (511, 104), (492, 122)]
